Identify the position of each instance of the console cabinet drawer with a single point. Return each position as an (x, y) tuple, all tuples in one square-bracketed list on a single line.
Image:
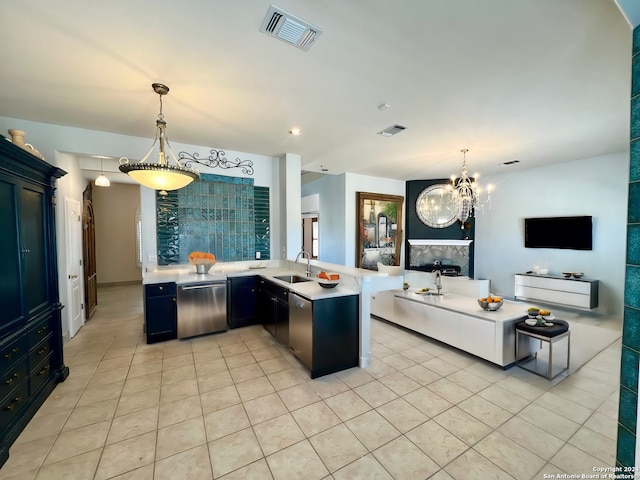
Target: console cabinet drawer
[(561, 291)]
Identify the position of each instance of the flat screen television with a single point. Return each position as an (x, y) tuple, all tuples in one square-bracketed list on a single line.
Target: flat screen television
[(573, 233)]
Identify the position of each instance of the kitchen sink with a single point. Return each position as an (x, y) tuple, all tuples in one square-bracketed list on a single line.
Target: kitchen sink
[(292, 278)]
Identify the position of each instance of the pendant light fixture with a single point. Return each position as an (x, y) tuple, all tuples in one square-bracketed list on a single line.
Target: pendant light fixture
[(102, 180), (161, 175)]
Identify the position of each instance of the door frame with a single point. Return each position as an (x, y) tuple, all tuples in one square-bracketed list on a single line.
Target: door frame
[(74, 264)]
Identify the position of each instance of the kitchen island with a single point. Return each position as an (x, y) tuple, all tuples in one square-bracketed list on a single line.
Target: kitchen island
[(459, 321), (354, 282)]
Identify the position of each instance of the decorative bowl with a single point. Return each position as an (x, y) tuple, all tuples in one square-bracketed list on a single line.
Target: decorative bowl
[(203, 267), (328, 283), (490, 306), (578, 274), (567, 274)]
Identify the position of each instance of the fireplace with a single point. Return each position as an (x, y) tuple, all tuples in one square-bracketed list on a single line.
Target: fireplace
[(442, 253)]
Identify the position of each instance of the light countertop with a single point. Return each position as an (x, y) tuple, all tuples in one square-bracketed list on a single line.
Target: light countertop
[(186, 275), (509, 312)]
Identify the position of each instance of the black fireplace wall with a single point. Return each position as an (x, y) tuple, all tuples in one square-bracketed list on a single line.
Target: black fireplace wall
[(416, 230)]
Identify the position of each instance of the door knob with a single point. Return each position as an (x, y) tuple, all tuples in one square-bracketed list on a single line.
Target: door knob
[(71, 277)]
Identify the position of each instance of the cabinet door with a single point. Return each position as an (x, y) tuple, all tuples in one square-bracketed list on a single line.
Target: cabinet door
[(336, 342), (446, 326), (10, 297), (33, 248), (478, 337), (281, 313), (160, 313), (264, 310), (242, 301)]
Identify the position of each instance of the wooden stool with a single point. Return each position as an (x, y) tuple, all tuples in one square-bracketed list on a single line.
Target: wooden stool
[(551, 335)]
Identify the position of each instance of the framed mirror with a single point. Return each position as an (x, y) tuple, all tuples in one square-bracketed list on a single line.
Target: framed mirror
[(379, 235), (434, 206)]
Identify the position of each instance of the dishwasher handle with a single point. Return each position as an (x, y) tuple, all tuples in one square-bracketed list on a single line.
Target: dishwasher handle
[(198, 287)]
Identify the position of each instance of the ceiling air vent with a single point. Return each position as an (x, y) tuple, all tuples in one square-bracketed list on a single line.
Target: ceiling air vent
[(392, 130), (289, 28)]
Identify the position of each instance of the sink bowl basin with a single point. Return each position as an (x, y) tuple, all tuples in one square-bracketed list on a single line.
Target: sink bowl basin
[(292, 278)]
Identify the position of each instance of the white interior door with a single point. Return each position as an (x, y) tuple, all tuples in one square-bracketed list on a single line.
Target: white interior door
[(73, 223)]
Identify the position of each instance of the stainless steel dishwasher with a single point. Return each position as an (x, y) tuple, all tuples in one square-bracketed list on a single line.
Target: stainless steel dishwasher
[(301, 328), (202, 308)]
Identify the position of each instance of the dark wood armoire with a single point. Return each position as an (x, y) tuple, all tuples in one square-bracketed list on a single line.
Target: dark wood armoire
[(31, 358)]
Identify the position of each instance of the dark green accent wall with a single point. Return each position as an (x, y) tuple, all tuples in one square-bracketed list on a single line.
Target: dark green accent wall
[(216, 214), (628, 407), (415, 229)]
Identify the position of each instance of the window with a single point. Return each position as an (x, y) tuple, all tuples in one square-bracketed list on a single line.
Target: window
[(314, 237)]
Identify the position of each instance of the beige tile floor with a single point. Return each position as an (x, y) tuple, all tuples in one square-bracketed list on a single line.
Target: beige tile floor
[(237, 405)]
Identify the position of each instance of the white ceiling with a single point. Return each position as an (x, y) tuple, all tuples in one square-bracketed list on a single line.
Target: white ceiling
[(540, 81)]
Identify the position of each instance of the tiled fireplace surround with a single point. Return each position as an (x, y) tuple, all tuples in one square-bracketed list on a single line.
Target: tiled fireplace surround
[(447, 254)]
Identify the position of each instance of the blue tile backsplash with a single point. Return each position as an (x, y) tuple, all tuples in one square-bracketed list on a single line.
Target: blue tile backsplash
[(628, 406), (215, 214)]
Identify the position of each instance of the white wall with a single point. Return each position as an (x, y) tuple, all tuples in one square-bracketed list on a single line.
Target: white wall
[(337, 212), (70, 186), (593, 186), (115, 210), (330, 190)]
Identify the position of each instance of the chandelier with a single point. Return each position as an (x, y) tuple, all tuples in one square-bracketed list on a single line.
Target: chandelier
[(465, 193), (161, 175)]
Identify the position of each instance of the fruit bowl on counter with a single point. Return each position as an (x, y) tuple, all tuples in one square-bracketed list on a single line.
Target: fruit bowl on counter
[(328, 280), (490, 304), (202, 260)]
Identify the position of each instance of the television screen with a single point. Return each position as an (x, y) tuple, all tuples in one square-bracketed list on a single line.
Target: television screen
[(574, 233)]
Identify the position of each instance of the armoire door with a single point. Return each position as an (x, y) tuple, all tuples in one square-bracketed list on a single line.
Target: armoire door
[(33, 249), (10, 291)]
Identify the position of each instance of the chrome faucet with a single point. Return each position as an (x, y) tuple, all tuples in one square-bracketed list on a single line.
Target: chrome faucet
[(303, 253), (439, 281)]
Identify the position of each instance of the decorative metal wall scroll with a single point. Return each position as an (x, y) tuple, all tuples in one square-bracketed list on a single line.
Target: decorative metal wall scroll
[(216, 159)]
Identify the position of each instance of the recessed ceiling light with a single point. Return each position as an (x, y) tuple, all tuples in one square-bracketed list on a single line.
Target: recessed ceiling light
[(383, 106), (295, 132)]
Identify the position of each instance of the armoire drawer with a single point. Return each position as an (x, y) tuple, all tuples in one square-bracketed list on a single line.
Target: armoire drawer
[(39, 375), (12, 352), (12, 404), (40, 351), (13, 376), (38, 332)]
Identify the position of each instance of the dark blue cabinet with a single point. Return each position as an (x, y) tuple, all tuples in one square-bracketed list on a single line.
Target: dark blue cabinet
[(242, 297), (160, 312), (31, 356)]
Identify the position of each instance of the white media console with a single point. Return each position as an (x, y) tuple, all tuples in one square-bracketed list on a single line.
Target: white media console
[(571, 292)]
